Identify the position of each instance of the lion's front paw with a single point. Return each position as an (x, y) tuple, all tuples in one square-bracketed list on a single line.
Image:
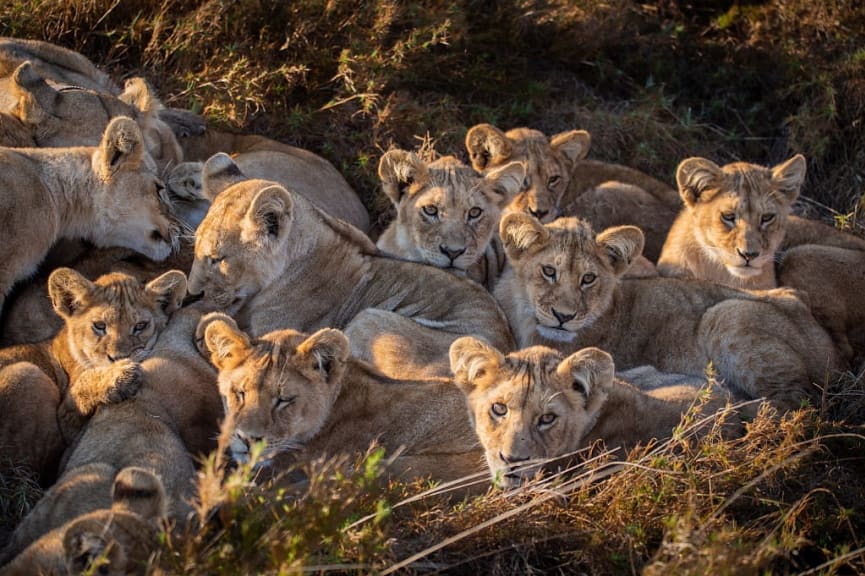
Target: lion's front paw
[(127, 380)]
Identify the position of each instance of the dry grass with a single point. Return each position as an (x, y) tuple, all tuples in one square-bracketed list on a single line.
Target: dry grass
[(654, 82)]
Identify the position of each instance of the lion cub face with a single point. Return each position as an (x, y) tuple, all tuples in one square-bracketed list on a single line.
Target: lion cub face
[(549, 163), (530, 405), (739, 211), (279, 388), (446, 212), (567, 273), (115, 317)]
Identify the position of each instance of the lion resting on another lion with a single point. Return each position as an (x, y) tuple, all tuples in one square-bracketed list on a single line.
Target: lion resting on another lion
[(272, 260), (535, 404), (564, 289), (114, 540), (302, 392)]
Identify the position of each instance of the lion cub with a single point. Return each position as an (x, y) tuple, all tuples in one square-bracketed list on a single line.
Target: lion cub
[(116, 540), (564, 289), (108, 195), (47, 390), (447, 215), (537, 404), (305, 392), (561, 181)]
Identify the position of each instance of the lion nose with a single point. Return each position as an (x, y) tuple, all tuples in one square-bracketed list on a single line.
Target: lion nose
[(452, 254), (562, 318), (748, 255), (511, 459), (539, 214)]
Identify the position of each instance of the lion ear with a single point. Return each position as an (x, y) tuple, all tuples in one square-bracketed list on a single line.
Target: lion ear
[(35, 96), (219, 172), (487, 145), (621, 245), (138, 94), (573, 145), (473, 361), (140, 491), (398, 171), (169, 289), (506, 182), (122, 148), (86, 546), (789, 176), (326, 352), (226, 343), (694, 176), (69, 291), (589, 373), (521, 232), (268, 217), (206, 321)]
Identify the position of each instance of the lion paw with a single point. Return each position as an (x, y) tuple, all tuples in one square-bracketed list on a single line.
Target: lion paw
[(127, 380)]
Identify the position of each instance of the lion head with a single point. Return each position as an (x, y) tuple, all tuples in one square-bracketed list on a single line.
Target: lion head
[(549, 163), (279, 388), (115, 317), (446, 212), (531, 405), (739, 211), (566, 273)]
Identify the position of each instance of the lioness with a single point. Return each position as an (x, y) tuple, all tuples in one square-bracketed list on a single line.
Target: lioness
[(116, 540), (47, 390), (305, 392), (735, 220), (272, 260), (173, 416), (564, 289), (561, 181), (108, 195), (447, 215), (536, 404)]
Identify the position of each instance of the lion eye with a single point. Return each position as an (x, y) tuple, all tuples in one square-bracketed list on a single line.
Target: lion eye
[(728, 218), (430, 210), (285, 402), (216, 259), (99, 328), (766, 218), (546, 419), (475, 213), (239, 396), (499, 409), (526, 183), (588, 279), (554, 180), (140, 327), (549, 272)]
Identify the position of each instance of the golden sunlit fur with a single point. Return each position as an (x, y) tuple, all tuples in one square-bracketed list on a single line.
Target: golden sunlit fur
[(447, 215), (561, 181), (114, 540), (271, 259), (564, 289), (47, 390), (302, 392), (537, 404), (108, 195)]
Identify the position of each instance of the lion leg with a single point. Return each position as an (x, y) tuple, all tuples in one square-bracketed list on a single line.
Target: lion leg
[(757, 349), (399, 346), (29, 433), (95, 387)]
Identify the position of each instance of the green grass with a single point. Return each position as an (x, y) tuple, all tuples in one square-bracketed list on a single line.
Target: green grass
[(654, 82)]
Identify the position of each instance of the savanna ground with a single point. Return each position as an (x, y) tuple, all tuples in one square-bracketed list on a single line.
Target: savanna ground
[(654, 82)]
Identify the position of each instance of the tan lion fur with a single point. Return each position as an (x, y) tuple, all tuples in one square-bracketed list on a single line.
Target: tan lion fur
[(564, 289), (536, 404), (305, 393), (48, 390), (561, 181), (108, 195), (447, 215), (116, 540), (271, 259)]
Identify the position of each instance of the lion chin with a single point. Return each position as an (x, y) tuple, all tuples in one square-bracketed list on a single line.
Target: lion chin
[(556, 334)]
